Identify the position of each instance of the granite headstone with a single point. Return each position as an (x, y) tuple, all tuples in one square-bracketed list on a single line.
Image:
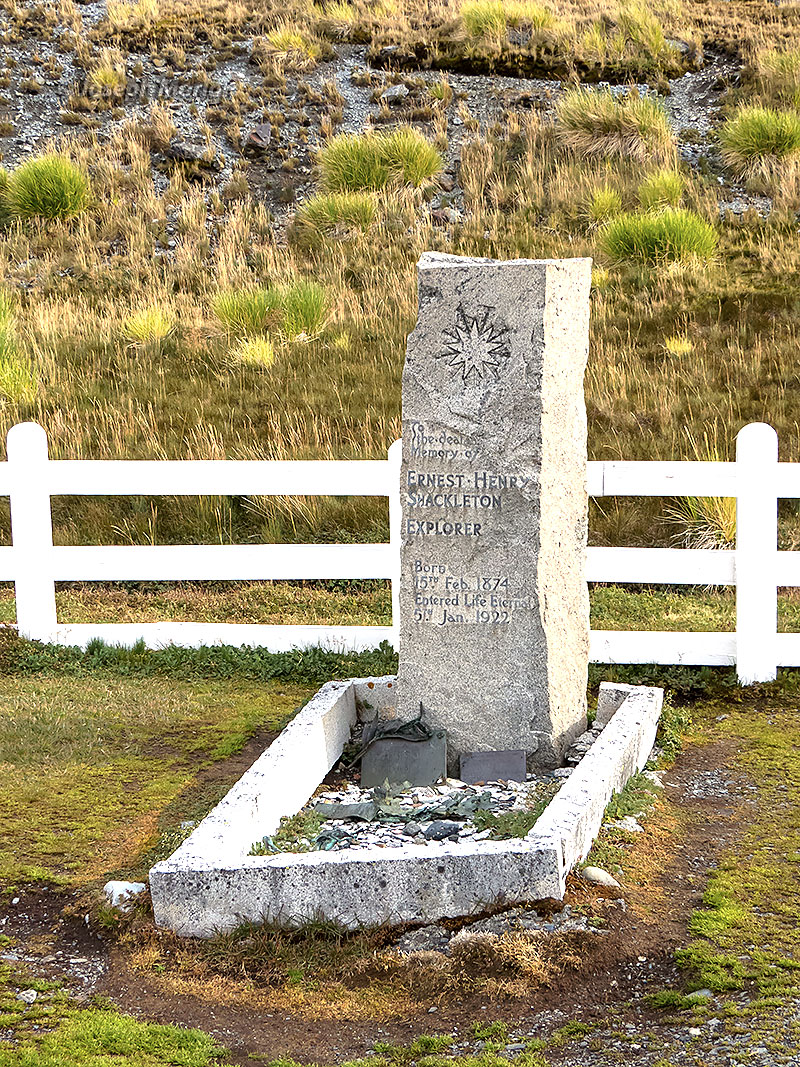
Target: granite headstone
[(494, 612)]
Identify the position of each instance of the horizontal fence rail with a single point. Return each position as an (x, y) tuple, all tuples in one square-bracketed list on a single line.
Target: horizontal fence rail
[(755, 567)]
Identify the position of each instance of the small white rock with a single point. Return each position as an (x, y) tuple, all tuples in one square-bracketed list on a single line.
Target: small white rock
[(598, 876), (120, 894), (629, 823), (27, 996)]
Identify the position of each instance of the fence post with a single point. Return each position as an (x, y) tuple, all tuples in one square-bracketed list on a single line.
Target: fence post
[(31, 531), (756, 553), (395, 533)]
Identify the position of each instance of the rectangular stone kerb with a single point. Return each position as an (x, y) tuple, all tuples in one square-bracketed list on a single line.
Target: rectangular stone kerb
[(494, 611)]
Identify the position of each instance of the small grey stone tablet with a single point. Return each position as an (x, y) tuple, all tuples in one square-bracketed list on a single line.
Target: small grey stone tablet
[(395, 760), (507, 765)]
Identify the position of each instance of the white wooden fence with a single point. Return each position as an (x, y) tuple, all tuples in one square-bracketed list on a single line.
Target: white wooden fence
[(756, 568)]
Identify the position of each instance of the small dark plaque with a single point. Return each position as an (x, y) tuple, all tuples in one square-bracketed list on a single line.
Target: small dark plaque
[(396, 760), (507, 765)]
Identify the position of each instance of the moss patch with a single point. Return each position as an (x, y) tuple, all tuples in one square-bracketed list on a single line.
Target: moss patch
[(53, 1032), (747, 933)]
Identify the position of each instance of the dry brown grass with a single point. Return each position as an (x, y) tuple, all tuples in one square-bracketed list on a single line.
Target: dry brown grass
[(563, 35), (337, 395), (320, 972), (597, 124)]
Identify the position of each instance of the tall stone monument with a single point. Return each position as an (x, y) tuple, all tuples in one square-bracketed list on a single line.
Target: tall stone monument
[(494, 610)]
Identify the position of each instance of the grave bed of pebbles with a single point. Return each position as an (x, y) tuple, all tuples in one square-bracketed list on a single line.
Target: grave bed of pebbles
[(355, 818), (349, 817)]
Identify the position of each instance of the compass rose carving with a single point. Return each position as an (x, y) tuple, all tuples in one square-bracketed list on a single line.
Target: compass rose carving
[(475, 347)]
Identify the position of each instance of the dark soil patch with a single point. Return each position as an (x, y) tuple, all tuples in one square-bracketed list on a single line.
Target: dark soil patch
[(211, 783), (53, 938)]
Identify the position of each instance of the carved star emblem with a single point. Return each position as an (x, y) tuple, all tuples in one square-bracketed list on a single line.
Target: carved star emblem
[(475, 347)]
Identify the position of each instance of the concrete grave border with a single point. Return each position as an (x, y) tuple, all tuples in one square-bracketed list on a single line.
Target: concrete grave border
[(211, 884)]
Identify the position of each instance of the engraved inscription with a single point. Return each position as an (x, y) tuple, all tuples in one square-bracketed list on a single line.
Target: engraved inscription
[(442, 598), (442, 444)]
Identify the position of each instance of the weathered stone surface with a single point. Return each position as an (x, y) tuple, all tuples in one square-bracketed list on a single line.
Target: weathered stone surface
[(259, 139), (610, 699), (575, 814), (123, 894), (365, 811), (395, 94), (503, 766), (434, 938), (376, 698), (597, 876), (493, 602), (579, 747), (396, 761), (393, 886), (439, 829)]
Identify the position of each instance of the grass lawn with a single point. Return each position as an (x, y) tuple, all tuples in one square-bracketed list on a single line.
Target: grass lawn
[(747, 932), (343, 603), (95, 769)]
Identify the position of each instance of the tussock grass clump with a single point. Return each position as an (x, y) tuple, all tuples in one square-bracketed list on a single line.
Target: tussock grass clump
[(125, 16), (603, 204), (108, 76), (149, 326), (337, 16), (247, 312), (528, 13), (305, 310), (678, 344), (352, 162), (671, 235), (778, 73), (490, 19), (5, 214), (50, 187), (294, 45), (635, 41), (642, 28), (595, 123), (704, 521), (298, 310), (355, 162), (160, 128), (484, 18), (662, 189), (760, 143), (410, 157), (255, 352), (336, 213), (442, 91)]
